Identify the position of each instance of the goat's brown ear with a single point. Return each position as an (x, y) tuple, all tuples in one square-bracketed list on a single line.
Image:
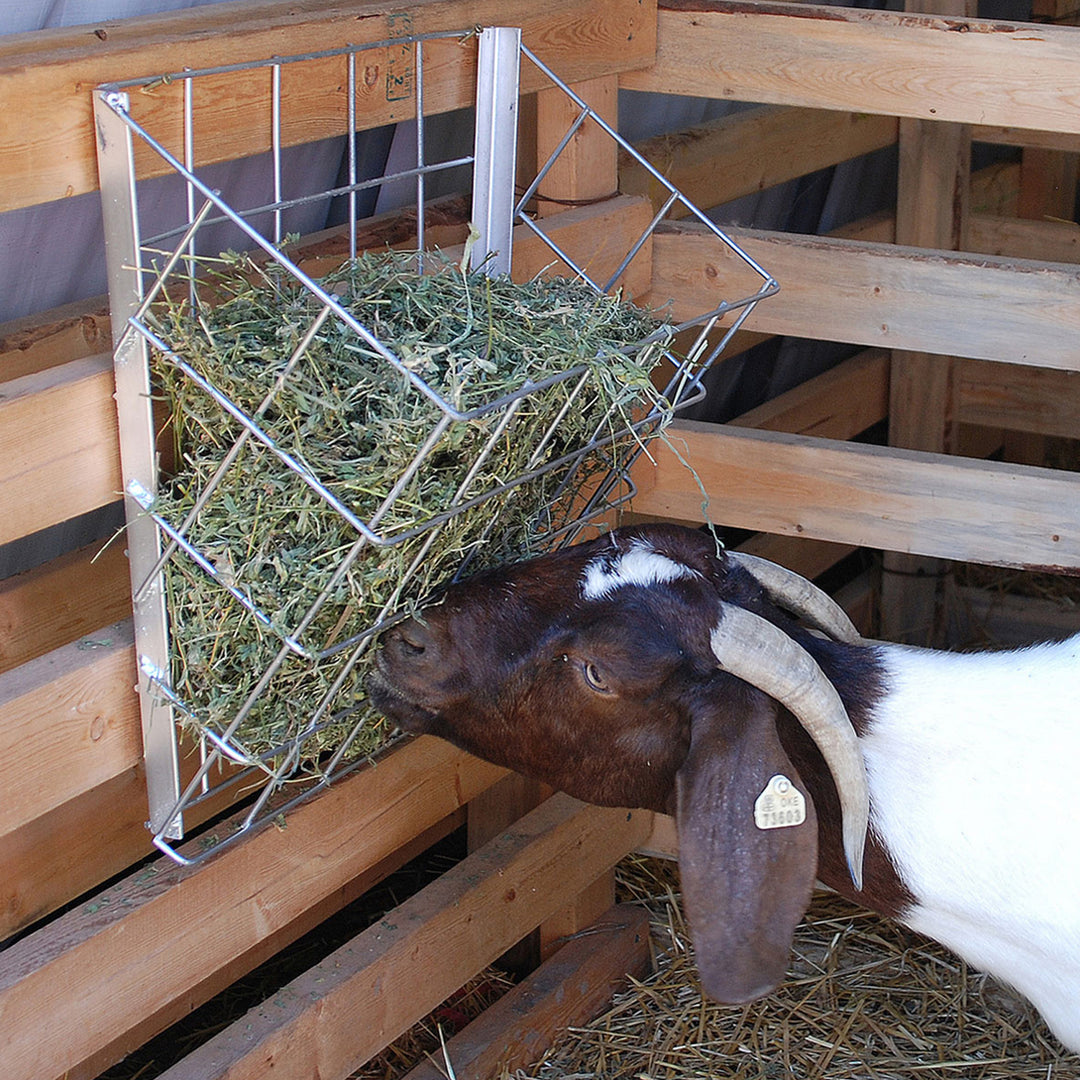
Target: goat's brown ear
[(746, 882)]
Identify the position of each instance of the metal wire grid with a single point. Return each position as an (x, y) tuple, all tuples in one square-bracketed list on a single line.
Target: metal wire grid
[(136, 282)]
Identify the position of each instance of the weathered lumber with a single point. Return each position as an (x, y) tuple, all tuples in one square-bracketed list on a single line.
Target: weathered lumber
[(59, 449), (838, 404), (932, 209), (899, 500), (1051, 241), (750, 151), (36, 342), (158, 935), (345, 1009), (1018, 398), (1011, 310), (61, 601), (1013, 136), (68, 722), (46, 78), (587, 168), (220, 979), (924, 66), (569, 988)]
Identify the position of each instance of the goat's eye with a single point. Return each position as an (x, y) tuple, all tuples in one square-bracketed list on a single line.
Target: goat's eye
[(595, 680)]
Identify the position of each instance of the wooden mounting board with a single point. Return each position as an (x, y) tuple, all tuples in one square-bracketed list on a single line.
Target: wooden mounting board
[(47, 146)]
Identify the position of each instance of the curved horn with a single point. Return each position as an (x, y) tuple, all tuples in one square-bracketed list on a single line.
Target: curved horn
[(799, 596), (761, 654)]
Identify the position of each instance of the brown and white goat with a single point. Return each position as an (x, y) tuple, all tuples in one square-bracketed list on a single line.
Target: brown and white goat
[(648, 669)]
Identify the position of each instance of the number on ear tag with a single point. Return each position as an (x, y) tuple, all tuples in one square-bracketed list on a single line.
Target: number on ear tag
[(780, 805)]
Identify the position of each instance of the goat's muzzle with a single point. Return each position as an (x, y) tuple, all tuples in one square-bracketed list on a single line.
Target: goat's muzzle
[(409, 660)]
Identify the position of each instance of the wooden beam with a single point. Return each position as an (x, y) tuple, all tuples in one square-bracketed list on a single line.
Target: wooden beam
[(59, 449), (347, 1008), (46, 78), (567, 990), (53, 337), (1012, 136), (899, 500), (587, 167), (750, 151), (838, 404), (932, 209), (884, 62), (1049, 240), (76, 708), (220, 978), (152, 938), (70, 850), (1018, 398), (61, 601), (878, 295)]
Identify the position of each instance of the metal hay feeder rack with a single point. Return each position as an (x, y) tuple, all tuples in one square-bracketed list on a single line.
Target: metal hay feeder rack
[(141, 268)]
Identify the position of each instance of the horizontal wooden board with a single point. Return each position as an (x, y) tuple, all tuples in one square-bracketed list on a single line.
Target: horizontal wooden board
[(152, 938), (68, 722), (1019, 399), (61, 601), (53, 337), (880, 497), (750, 151), (984, 307), (838, 404), (567, 990), (976, 71), (1050, 241), (348, 1007), (59, 448), (219, 979), (46, 78)]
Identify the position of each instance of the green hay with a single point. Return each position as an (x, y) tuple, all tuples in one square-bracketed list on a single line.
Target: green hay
[(353, 421)]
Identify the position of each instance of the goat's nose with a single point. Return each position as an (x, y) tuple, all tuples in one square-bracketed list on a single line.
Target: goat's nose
[(413, 642)]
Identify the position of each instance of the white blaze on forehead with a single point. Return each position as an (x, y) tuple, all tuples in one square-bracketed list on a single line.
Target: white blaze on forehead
[(639, 565)]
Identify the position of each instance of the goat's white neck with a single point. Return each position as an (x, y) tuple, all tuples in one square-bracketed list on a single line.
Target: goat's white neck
[(972, 765)]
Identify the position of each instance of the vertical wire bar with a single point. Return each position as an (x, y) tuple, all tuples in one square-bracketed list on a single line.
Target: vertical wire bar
[(495, 147), (420, 162), (351, 88), (189, 164), (275, 113)]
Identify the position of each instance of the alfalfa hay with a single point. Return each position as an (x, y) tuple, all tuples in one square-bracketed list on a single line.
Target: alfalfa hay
[(270, 635)]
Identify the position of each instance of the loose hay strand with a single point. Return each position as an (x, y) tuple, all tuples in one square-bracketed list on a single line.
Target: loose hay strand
[(472, 450)]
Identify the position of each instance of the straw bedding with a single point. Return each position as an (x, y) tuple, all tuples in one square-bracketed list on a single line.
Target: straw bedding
[(864, 999), (354, 422)]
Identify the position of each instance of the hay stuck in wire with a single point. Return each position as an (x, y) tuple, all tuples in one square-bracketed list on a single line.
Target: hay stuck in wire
[(864, 998), (347, 417)]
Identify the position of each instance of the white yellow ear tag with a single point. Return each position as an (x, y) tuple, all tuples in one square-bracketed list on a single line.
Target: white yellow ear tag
[(780, 805)]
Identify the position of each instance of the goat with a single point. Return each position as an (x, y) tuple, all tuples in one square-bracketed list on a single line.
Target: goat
[(649, 669)]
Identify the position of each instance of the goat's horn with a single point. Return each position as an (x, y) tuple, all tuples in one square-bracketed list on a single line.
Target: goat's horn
[(799, 596), (761, 654)]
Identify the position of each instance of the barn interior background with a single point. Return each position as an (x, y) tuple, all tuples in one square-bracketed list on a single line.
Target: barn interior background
[(793, 141)]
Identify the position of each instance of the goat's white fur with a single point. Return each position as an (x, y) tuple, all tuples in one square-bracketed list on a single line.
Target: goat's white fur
[(640, 564), (972, 761)]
